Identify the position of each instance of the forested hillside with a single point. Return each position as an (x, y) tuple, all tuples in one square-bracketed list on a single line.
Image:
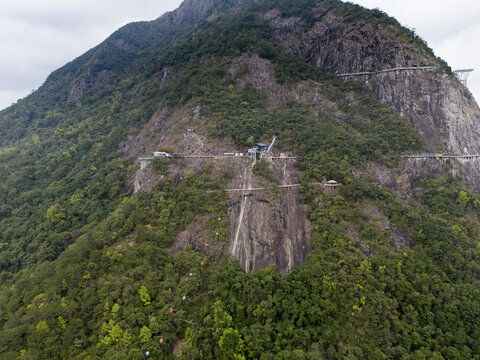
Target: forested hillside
[(88, 268)]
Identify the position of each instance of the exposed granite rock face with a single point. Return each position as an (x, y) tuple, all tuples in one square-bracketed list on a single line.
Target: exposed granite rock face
[(442, 110), (341, 48), (466, 171), (404, 180), (92, 79), (195, 235), (191, 11), (162, 77), (398, 238), (437, 105), (145, 179), (124, 45), (76, 92), (252, 69), (258, 72), (152, 135), (273, 228)]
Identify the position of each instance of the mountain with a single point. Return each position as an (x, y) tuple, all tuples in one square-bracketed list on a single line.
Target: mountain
[(209, 254)]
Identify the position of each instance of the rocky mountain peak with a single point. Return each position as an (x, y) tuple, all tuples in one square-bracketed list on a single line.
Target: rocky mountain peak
[(132, 209), (192, 11)]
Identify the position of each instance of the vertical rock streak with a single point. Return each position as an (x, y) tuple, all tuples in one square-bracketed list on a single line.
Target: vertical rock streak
[(247, 184)]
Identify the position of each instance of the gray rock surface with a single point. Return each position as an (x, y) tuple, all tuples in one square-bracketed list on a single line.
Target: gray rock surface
[(274, 228), (437, 105)]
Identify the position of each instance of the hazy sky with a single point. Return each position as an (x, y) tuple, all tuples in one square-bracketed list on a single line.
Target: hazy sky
[(39, 36)]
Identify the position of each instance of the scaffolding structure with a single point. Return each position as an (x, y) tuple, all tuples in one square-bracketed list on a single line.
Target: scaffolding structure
[(462, 75)]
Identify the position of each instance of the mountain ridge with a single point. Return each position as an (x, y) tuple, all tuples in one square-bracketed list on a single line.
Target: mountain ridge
[(103, 258)]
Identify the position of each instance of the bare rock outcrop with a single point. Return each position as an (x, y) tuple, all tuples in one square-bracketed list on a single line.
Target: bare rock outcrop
[(253, 70), (162, 77), (153, 134), (267, 226), (397, 238), (403, 181), (258, 72), (124, 45), (145, 179), (193, 11), (437, 105), (273, 228), (92, 79)]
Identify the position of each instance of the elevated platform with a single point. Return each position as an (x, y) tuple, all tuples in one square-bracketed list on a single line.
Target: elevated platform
[(442, 156), (368, 73), (216, 157)]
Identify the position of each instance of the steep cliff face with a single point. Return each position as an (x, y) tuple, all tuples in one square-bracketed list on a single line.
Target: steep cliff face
[(268, 226), (436, 104), (191, 11), (87, 257)]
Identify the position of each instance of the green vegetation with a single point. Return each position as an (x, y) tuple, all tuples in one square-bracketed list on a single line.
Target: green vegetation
[(89, 305), (371, 132), (261, 169), (406, 304), (87, 271), (161, 166)]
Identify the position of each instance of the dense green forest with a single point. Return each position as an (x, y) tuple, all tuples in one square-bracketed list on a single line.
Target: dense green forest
[(86, 267)]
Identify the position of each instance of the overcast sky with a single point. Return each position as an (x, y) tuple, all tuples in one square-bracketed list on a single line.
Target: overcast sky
[(39, 36)]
